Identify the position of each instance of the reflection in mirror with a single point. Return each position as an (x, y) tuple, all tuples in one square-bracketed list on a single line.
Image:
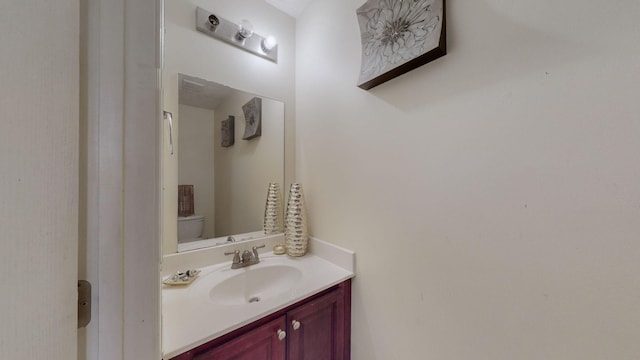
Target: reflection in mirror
[(222, 181)]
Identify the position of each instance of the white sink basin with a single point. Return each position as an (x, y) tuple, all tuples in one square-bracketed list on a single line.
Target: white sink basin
[(248, 285)]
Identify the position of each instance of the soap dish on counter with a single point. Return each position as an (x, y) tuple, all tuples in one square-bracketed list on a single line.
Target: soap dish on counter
[(181, 277)]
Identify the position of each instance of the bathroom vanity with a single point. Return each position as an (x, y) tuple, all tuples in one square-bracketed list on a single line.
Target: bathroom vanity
[(280, 308), (318, 325)]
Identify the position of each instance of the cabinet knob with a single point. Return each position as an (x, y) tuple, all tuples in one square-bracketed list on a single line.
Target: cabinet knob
[(295, 324), (281, 334)]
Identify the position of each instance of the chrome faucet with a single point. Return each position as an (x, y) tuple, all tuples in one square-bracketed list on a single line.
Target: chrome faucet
[(247, 258)]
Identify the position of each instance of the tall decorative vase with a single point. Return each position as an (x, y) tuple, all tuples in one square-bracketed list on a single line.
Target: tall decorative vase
[(295, 232), (273, 223)]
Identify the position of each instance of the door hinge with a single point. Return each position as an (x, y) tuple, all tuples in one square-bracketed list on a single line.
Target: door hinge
[(84, 303)]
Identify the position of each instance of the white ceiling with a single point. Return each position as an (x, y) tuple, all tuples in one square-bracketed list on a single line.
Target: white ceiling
[(200, 93), (291, 7)]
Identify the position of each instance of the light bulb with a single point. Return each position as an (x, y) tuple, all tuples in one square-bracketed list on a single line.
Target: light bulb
[(245, 29), (269, 43)]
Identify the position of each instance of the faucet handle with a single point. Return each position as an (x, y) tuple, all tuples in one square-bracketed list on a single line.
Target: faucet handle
[(255, 251), (236, 256)]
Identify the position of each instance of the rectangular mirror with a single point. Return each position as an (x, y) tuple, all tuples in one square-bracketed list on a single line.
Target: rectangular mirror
[(226, 159)]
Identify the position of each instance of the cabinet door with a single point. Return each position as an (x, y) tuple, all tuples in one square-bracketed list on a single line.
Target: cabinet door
[(260, 343), (316, 330)]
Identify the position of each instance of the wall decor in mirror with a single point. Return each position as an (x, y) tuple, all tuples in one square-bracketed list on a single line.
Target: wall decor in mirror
[(253, 118), (228, 179), (228, 131)]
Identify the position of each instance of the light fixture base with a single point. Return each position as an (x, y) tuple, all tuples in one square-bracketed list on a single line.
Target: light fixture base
[(227, 31)]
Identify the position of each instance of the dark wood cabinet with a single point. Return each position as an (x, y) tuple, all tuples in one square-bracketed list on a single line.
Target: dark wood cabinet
[(260, 343), (317, 328)]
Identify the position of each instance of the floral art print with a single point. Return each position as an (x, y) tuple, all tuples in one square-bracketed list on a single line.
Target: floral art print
[(398, 36)]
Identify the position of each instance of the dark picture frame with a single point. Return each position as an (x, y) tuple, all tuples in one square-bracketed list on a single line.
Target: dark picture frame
[(399, 36), (227, 130)]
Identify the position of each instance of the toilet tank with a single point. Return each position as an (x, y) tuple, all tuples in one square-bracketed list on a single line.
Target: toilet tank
[(190, 228)]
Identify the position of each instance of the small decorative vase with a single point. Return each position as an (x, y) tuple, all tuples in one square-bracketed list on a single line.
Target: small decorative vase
[(273, 211), (295, 230)]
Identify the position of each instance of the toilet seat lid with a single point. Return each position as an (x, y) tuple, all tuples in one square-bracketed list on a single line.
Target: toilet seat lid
[(192, 217)]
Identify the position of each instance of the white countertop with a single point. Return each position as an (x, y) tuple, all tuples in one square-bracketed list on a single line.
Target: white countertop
[(190, 318)]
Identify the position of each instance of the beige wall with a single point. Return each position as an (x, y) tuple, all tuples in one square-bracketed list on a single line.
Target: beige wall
[(245, 169), (195, 161), (39, 144), (208, 58), (492, 196)]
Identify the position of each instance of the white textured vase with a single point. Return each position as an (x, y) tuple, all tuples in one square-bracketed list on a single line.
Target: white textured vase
[(295, 231), (273, 223)]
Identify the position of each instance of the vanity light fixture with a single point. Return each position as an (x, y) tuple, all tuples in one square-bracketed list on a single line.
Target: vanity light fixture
[(240, 35)]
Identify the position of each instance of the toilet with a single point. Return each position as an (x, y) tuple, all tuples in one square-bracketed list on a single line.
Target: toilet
[(190, 228)]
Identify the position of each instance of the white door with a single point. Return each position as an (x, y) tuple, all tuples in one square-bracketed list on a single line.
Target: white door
[(38, 178)]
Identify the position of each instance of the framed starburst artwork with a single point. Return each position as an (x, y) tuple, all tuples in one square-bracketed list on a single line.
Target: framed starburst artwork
[(253, 118), (399, 36)]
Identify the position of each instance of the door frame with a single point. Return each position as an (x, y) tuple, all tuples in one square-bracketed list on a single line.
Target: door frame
[(123, 237)]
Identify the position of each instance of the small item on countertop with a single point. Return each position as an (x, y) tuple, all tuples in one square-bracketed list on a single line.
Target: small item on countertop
[(192, 272), (181, 277), (279, 249)]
